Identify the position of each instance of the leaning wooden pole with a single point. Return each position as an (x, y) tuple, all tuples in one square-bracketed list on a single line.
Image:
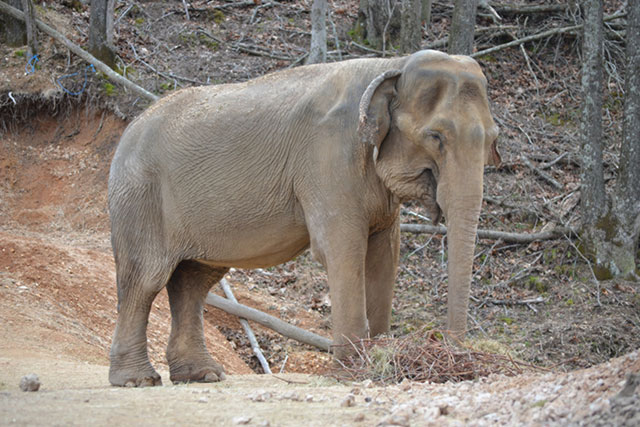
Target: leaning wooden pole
[(18, 14), (269, 321)]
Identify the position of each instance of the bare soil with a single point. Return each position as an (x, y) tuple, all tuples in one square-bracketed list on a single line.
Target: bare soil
[(57, 284)]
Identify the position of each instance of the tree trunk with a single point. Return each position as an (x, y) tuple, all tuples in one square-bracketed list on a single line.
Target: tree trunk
[(15, 30), (593, 193), (611, 224), (318, 50), (29, 15), (628, 186), (378, 23), (463, 24), (426, 12), (626, 198), (101, 31), (410, 30)]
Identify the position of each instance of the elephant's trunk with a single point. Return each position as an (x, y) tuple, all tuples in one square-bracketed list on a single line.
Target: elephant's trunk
[(462, 214)]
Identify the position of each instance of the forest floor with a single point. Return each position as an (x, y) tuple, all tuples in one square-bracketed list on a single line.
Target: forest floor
[(57, 283)]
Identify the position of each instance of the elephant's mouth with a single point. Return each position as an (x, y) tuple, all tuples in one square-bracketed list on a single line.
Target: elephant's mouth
[(429, 197)]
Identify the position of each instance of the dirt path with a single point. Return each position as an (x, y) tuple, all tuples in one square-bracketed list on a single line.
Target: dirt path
[(74, 392)]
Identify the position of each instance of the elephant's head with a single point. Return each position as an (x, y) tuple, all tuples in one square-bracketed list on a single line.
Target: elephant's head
[(432, 134)]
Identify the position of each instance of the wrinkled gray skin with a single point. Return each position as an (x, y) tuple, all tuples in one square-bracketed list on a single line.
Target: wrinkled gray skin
[(249, 175)]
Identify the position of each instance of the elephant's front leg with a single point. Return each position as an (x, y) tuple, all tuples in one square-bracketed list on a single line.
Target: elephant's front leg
[(381, 266), (343, 251)]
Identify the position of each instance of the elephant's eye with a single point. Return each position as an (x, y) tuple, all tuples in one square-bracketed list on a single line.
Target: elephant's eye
[(434, 137)]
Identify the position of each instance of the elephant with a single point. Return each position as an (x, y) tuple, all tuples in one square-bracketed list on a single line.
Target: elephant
[(249, 175)]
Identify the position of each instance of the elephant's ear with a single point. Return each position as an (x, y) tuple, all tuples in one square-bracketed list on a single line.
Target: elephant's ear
[(493, 155), (494, 158), (374, 115)]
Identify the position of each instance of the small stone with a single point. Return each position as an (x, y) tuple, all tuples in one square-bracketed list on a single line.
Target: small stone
[(291, 395), (395, 420), (348, 401), (359, 418), (241, 420), (30, 382), (203, 400), (260, 396), (308, 398)]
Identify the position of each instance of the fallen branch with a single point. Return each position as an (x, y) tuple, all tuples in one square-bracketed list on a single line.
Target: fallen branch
[(81, 53), (541, 35), (239, 4), (546, 177), (269, 321), (506, 237), (538, 300), (247, 329), (529, 9)]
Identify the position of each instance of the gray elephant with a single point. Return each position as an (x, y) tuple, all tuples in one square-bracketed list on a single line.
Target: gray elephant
[(250, 175)]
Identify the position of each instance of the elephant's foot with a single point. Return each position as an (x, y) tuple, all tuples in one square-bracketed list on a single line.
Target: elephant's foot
[(202, 370), (134, 377)]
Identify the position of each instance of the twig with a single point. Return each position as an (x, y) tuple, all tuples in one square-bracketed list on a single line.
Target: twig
[(553, 162), (186, 9), (507, 237), (535, 78), (122, 15), (494, 15), (555, 184), (269, 321), (247, 329), (81, 53), (290, 381)]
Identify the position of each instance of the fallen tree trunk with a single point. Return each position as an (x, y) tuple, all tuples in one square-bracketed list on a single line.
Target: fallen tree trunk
[(18, 14), (506, 237), (269, 321)]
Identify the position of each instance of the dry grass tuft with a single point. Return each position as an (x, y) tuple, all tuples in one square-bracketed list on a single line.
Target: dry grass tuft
[(423, 356)]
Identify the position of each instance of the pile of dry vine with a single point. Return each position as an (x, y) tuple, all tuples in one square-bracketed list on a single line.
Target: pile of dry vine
[(423, 356)]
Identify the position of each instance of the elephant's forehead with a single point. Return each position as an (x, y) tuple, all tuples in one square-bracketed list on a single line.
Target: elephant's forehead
[(451, 71)]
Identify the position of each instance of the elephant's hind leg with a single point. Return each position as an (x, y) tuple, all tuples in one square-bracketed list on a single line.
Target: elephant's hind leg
[(138, 285), (189, 360)]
